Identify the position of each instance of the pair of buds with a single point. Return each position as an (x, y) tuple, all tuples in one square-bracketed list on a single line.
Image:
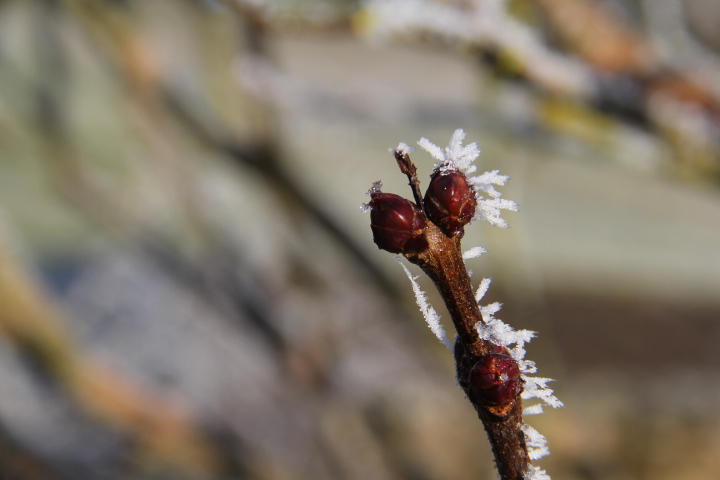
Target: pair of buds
[(398, 225)]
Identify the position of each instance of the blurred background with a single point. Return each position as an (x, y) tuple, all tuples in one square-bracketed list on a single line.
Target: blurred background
[(188, 289)]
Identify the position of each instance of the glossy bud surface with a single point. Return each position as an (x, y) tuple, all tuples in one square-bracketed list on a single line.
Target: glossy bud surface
[(450, 202), (397, 224), (495, 378)]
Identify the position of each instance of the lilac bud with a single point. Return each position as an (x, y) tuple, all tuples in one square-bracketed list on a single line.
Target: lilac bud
[(397, 224), (450, 202), (495, 378)]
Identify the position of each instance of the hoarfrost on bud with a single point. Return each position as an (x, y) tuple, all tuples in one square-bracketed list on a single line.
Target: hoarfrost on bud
[(431, 316), (376, 187), (499, 333), (455, 156), (459, 157)]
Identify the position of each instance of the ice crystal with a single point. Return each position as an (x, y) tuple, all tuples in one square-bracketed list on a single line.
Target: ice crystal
[(536, 443), (455, 156), (403, 148), (537, 473), (482, 289), (533, 410), (473, 253), (431, 316), (376, 187), (536, 387)]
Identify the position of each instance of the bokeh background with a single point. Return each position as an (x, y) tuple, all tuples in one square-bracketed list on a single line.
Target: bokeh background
[(188, 289)]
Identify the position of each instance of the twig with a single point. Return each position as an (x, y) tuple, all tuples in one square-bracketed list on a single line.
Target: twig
[(428, 233), (408, 168), (443, 263)]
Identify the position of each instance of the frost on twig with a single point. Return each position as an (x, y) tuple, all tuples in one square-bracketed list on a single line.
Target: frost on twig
[(473, 253), (536, 442), (537, 473), (403, 148), (489, 354), (431, 316)]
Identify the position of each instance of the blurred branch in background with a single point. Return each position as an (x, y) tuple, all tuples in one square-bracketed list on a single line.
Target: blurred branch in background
[(183, 293), (153, 426), (607, 68)]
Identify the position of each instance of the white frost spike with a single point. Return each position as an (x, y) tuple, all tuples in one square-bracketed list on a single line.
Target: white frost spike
[(489, 310), (536, 443), (482, 289), (436, 152), (533, 410), (403, 148), (431, 316), (527, 366), (455, 156), (473, 253), (537, 473), (489, 209), (500, 333), (536, 387)]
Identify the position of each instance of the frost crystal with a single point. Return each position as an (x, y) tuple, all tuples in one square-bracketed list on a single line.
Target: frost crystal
[(455, 156), (536, 387), (537, 473), (431, 316), (536, 443), (403, 148), (459, 157), (482, 289), (474, 253), (533, 410), (376, 187)]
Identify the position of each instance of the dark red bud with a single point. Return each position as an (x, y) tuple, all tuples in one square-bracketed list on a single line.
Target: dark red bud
[(450, 202), (397, 224), (495, 378)]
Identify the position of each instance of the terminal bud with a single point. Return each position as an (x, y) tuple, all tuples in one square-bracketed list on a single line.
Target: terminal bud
[(450, 202), (398, 225)]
